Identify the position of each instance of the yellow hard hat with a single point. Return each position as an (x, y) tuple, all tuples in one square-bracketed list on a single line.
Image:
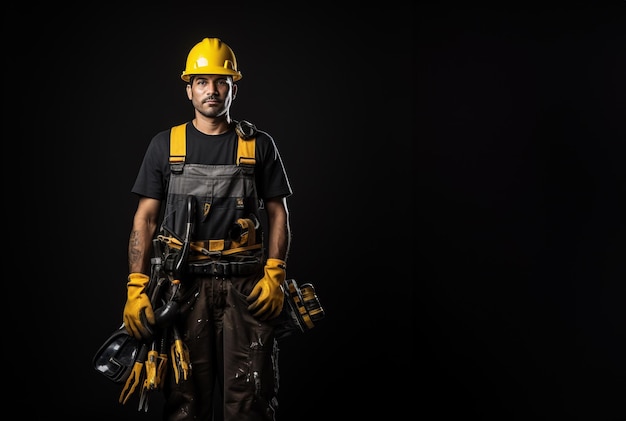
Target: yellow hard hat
[(211, 56)]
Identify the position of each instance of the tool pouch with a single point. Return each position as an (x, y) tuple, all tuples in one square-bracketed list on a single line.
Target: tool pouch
[(117, 355)]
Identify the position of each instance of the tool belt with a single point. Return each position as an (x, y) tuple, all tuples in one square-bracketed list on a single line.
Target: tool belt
[(212, 248), (218, 268)]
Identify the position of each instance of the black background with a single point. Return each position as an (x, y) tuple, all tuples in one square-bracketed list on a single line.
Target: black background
[(492, 288), (334, 88), (522, 179)]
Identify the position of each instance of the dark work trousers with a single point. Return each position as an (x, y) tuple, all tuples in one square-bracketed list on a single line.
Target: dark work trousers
[(234, 357)]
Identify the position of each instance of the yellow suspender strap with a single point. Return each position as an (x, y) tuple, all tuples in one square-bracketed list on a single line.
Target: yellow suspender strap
[(245, 151), (178, 144)]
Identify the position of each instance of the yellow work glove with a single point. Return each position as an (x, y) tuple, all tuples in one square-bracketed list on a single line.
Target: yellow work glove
[(267, 297), (138, 313)]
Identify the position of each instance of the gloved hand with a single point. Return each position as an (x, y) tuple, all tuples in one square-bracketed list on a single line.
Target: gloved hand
[(267, 297), (138, 313)]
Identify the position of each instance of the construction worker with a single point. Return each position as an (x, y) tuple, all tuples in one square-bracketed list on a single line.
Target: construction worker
[(212, 209)]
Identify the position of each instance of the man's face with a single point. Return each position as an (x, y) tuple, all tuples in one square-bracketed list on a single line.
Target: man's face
[(211, 95)]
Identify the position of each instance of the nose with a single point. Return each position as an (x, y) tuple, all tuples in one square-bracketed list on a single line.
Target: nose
[(212, 88)]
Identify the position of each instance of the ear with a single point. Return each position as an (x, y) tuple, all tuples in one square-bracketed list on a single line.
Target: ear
[(234, 90), (189, 95)]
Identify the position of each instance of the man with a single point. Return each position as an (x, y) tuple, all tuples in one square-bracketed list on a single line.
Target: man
[(212, 211)]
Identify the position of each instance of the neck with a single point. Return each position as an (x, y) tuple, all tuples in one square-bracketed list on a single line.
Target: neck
[(212, 125)]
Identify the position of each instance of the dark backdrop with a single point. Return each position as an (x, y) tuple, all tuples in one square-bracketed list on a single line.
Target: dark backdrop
[(521, 179), (492, 288), (90, 87)]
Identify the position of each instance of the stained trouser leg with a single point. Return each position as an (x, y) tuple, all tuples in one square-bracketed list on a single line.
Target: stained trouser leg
[(250, 363)]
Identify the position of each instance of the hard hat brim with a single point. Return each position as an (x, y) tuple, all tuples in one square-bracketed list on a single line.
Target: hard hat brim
[(212, 71)]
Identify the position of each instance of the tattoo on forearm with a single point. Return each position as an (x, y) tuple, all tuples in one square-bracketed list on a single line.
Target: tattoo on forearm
[(134, 251), (134, 238)]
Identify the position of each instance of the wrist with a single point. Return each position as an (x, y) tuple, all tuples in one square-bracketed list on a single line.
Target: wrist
[(278, 263), (137, 275)]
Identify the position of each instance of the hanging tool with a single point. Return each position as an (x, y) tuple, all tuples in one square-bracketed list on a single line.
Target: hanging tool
[(135, 376), (180, 357)]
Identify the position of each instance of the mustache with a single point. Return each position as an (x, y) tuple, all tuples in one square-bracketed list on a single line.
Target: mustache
[(211, 98)]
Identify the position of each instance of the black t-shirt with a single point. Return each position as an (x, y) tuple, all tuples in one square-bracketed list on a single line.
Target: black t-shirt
[(271, 177)]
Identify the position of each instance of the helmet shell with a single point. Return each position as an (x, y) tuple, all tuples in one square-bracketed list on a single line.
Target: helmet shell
[(211, 56)]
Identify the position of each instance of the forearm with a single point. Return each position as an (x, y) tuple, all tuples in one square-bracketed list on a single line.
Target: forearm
[(142, 233), (279, 230), (139, 251)]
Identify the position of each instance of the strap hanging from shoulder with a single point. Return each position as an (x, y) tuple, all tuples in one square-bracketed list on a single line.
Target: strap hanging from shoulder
[(178, 147), (246, 147), (245, 151)]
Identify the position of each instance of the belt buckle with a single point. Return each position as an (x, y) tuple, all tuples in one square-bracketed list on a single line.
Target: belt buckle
[(221, 268)]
